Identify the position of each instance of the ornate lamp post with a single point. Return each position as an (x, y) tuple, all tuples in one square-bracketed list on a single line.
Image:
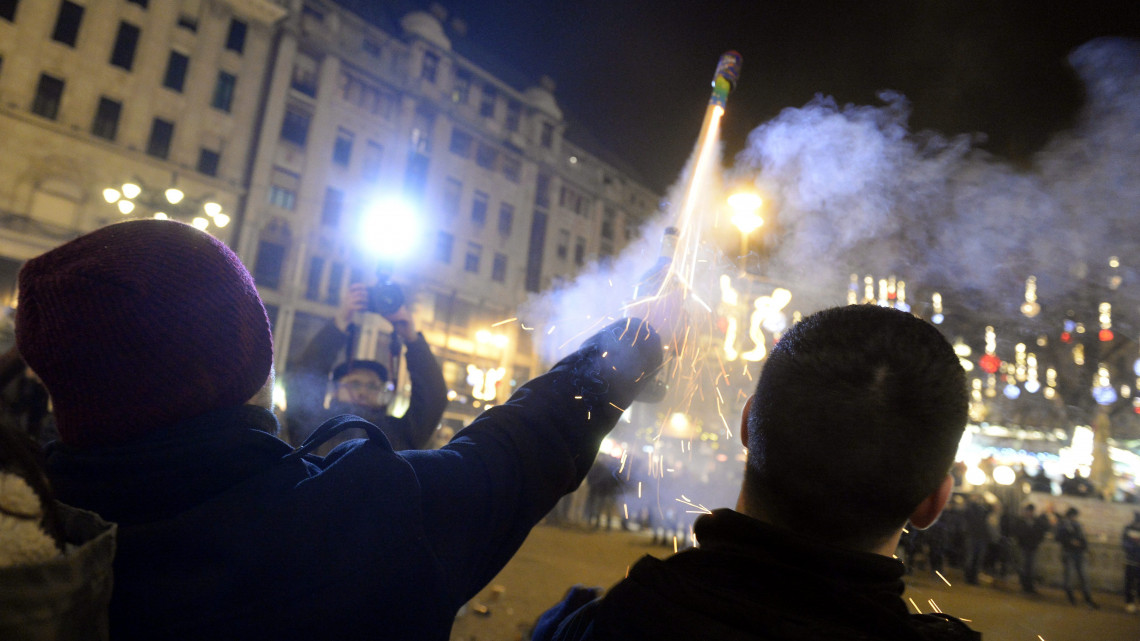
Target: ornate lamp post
[(136, 198)]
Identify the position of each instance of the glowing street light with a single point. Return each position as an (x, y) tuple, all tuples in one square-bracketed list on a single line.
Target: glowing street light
[(745, 206)]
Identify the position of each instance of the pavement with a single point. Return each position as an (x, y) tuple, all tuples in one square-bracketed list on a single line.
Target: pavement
[(553, 558)]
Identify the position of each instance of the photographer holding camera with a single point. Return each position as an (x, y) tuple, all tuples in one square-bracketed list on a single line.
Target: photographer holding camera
[(361, 387)]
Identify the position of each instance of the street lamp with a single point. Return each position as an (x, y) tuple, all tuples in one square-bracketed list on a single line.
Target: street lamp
[(745, 205), (165, 204)]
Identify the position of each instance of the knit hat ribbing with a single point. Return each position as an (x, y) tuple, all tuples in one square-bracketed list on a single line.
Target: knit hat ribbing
[(140, 325)]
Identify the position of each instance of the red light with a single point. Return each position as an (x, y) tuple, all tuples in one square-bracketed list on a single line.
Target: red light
[(1066, 337), (1105, 335), (989, 363)]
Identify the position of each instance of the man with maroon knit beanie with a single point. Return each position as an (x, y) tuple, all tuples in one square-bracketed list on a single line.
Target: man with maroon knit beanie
[(157, 352)]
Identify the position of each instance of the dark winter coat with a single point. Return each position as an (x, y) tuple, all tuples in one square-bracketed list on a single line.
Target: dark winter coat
[(1030, 532), (223, 535), (307, 379), (1071, 537), (1130, 541), (749, 581)]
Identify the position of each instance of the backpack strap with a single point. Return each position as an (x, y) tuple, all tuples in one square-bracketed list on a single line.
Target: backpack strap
[(334, 426)]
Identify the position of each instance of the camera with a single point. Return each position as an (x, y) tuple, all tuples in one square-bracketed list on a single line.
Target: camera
[(385, 298)]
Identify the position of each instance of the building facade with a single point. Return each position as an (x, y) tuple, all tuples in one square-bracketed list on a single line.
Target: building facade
[(303, 120)]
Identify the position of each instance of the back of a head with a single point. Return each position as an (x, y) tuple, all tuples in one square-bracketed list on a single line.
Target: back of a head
[(141, 325), (857, 418)]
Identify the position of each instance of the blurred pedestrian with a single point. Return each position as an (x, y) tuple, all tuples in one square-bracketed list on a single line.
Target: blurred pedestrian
[(1029, 531), (1071, 537), (1131, 545)]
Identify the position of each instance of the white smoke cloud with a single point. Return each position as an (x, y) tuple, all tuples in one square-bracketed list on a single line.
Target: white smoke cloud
[(855, 191)]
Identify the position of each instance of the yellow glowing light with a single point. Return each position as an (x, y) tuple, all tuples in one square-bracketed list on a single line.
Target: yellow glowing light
[(1004, 475), (174, 195), (111, 194), (126, 206), (130, 190), (200, 223), (158, 215), (975, 476), (279, 400), (744, 205), (212, 209), (221, 220)]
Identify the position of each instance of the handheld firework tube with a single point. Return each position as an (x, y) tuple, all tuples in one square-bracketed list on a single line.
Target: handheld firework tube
[(724, 80)]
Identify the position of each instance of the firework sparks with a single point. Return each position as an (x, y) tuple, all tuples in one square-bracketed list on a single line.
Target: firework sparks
[(934, 606), (505, 321), (914, 605), (943, 578)]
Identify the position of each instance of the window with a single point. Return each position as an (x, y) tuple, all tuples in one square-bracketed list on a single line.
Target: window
[(512, 169), (208, 161), (283, 188), (546, 139), (342, 148), (542, 190), (422, 123), (305, 74), (415, 176), (313, 283), (563, 247), (295, 127), (487, 102), (370, 164), (48, 94), (175, 76), (267, 267), (609, 220), (461, 142), (514, 115), (571, 199), (536, 248), (161, 133), (370, 48), (188, 22), (123, 55), (452, 191), (333, 205), (506, 218), (336, 275), (443, 244), (66, 23), (224, 92), (461, 88), (8, 9), (106, 123), (471, 260), (485, 156), (579, 251), (235, 39), (431, 66), (479, 209), (499, 268)]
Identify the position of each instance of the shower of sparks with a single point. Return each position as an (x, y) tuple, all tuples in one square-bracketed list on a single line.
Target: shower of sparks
[(550, 331), (674, 544), (1040, 638), (697, 507), (943, 578), (915, 605), (504, 322), (625, 506), (934, 606)]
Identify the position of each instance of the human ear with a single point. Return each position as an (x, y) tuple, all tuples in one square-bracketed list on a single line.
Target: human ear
[(928, 510), (744, 420)]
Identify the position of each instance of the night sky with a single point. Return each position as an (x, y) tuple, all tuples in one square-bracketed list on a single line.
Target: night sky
[(636, 73)]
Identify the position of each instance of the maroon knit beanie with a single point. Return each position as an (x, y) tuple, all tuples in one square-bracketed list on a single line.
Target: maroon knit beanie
[(140, 325)]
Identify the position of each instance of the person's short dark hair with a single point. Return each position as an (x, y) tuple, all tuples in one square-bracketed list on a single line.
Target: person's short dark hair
[(1072, 512), (342, 370), (857, 418), (1029, 507)]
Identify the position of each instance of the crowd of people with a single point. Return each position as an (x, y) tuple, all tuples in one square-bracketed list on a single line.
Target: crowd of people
[(171, 508)]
